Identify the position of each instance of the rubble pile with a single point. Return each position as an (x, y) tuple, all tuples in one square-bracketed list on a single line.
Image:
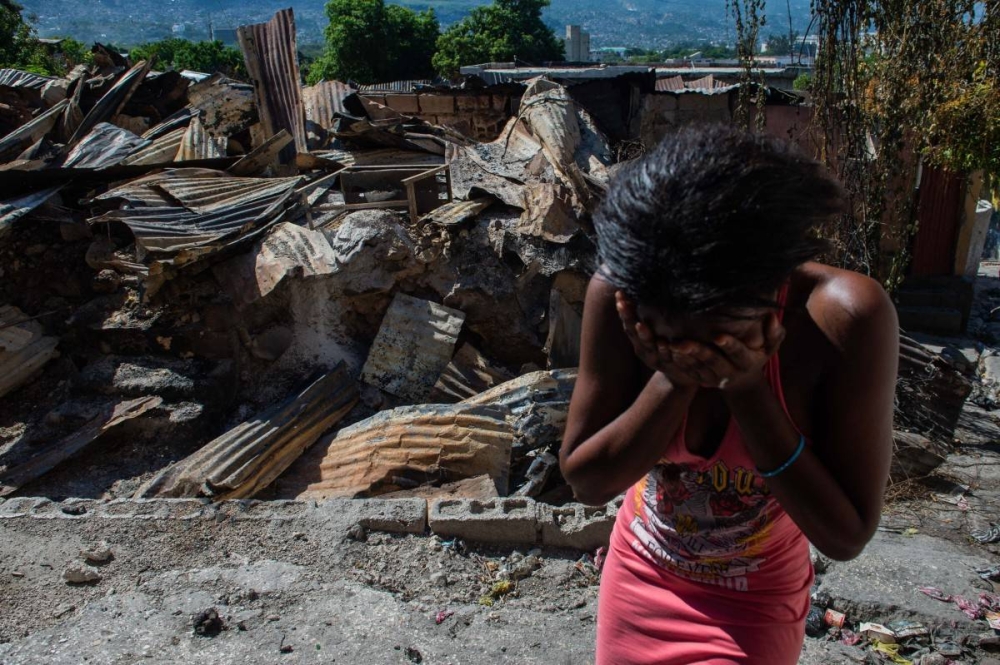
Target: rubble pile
[(202, 278)]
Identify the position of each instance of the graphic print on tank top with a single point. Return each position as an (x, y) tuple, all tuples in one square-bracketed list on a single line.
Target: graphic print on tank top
[(707, 522)]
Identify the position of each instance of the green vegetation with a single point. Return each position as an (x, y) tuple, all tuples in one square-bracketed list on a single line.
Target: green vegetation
[(778, 44), (20, 48), (802, 81), (368, 41), (505, 31), (181, 54)]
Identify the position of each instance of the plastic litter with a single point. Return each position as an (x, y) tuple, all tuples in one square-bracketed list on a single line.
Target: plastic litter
[(990, 535), (443, 616), (849, 637), (989, 574), (906, 629), (993, 618), (891, 651), (599, 556), (814, 622), (877, 632)]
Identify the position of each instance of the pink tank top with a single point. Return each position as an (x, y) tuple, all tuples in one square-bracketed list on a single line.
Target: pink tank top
[(713, 521)]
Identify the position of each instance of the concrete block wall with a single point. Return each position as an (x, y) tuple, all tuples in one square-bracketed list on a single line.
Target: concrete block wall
[(512, 520), (663, 113)]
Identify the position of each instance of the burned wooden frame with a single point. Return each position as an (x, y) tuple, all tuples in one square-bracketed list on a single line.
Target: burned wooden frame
[(416, 189)]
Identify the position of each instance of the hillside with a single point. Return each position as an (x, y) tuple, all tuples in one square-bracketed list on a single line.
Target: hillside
[(640, 23)]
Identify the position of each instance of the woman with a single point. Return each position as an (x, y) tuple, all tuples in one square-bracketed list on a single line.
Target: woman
[(741, 393)]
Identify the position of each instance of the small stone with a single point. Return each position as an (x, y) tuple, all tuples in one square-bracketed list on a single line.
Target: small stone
[(358, 533), (106, 281), (298, 535), (99, 553), (439, 579), (17, 573), (75, 509), (62, 611), (286, 648), (932, 659), (208, 623), (414, 655), (80, 574), (273, 617)]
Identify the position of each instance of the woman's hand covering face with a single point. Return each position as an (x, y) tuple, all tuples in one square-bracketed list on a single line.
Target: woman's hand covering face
[(728, 362)]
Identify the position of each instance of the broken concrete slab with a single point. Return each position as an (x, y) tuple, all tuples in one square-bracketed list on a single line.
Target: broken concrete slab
[(24, 348), (886, 578), (577, 526)]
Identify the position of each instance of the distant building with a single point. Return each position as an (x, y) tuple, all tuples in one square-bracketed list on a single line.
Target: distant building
[(577, 44)]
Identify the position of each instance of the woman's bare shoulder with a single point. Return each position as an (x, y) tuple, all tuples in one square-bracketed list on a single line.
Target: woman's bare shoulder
[(850, 308)]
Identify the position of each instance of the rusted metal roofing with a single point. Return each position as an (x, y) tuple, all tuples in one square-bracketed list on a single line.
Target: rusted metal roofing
[(468, 374), (272, 61), (13, 209), (324, 101), (412, 348), (407, 447), (226, 107), (197, 144), (539, 404), (670, 84), (246, 459), (113, 100), (14, 78), (106, 145)]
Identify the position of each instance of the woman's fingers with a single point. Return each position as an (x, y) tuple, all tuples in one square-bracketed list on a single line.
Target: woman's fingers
[(774, 334), (738, 353)]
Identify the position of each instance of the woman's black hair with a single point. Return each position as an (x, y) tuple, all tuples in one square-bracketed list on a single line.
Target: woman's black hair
[(714, 218)]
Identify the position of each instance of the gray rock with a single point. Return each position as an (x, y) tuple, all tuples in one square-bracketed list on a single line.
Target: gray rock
[(99, 553), (79, 574)]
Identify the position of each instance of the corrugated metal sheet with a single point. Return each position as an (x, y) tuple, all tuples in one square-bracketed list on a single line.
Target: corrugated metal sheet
[(396, 86), (161, 151), (539, 403), (942, 198), (14, 209), (413, 347), (113, 100), (207, 195), (15, 142), (670, 84), (197, 144), (324, 101), (24, 349), (457, 212), (227, 108), (404, 448), (175, 235), (468, 374), (272, 61), (106, 145), (248, 458), (15, 78)]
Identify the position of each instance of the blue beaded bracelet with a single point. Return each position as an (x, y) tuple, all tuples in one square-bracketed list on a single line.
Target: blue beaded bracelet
[(790, 461)]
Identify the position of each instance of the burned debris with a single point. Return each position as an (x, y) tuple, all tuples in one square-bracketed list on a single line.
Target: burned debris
[(270, 290)]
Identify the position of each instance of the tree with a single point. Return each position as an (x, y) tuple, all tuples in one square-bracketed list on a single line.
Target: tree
[(504, 31), (782, 44), (180, 54), (368, 41), (19, 47)]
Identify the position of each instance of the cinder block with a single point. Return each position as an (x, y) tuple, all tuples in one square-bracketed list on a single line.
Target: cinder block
[(403, 103), (437, 104), (470, 103), (576, 525), (136, 509), (393, 515), (70, 509), (20, 506), (272, 510), (510, 520), (189, 509)]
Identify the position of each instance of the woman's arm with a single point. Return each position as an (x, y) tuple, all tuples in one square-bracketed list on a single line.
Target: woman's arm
[(834, 490), (618, 427)]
